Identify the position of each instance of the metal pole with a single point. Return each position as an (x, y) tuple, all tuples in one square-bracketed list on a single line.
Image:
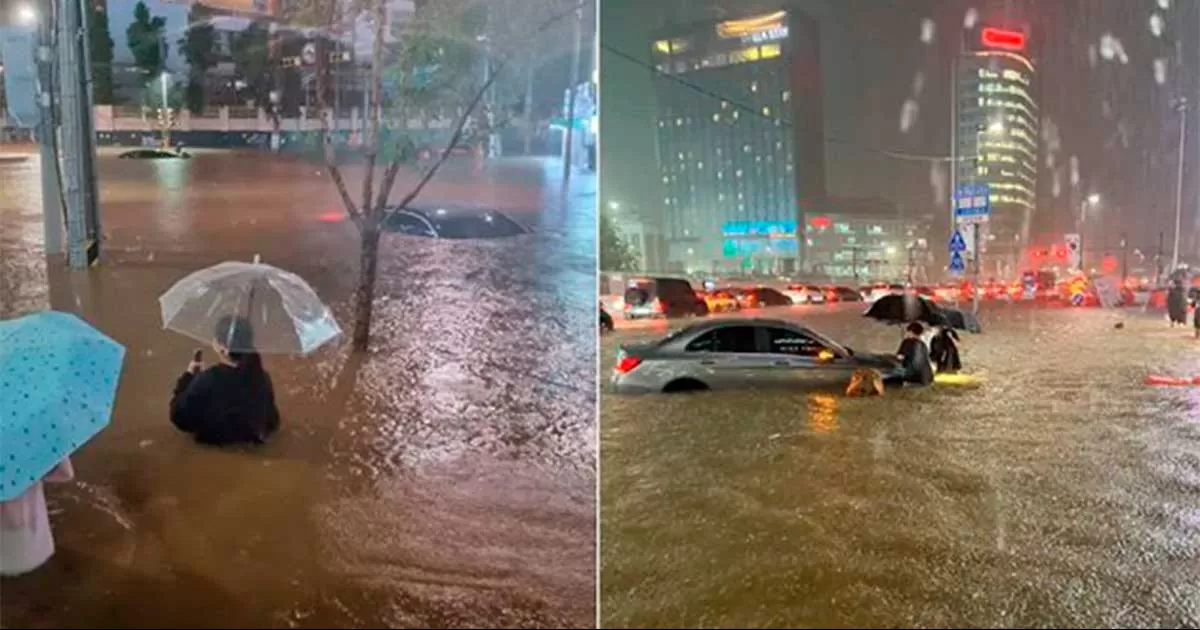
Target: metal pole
[(572, 82), (1082, 221), (75, 170), (1182, 107), (975, 287), (953, 139), (52, 208)]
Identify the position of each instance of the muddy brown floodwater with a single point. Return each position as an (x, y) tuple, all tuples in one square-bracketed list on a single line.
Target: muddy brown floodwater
[(1050, 490), (445, 480)]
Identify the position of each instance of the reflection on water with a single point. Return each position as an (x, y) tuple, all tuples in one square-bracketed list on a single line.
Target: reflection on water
[(1048, 487), (822, 413)]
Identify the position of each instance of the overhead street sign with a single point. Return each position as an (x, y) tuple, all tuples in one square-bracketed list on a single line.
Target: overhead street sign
[(972, 204)]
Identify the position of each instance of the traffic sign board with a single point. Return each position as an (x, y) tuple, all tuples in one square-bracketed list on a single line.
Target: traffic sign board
[(957, 243), (972, 203), (957, 264)]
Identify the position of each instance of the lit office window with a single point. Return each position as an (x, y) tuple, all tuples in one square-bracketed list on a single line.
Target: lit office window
[(754, 86), (699, 166), (735, 114), (716, 117), (785, 96), (724, 104), (766, 110), (678, 122), (745, 148), (738, 173)]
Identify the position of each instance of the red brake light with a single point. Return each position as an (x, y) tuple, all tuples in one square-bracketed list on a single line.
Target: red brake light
[(1003, 39), (627, 364)]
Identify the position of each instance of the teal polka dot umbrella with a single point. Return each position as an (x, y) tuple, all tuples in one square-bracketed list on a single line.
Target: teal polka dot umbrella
[(58, 383)]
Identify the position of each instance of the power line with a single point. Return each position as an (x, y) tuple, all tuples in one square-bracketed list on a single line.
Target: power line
[(899, 155)]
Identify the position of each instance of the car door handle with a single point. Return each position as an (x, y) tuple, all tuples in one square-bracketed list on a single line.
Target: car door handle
[(782, 363)]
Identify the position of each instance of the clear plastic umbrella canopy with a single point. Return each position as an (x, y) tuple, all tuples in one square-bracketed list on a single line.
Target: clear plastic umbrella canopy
[(272, 311)]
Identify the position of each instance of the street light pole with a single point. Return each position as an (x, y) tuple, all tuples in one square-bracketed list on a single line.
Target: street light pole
[(1181, 106)]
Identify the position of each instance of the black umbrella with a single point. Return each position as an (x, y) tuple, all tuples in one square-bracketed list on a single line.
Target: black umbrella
[(902, 309), (962, 320)]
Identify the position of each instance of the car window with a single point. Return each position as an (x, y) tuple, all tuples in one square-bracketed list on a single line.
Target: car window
[(484, 225), (726, 339), (785, 341), (410, 224)]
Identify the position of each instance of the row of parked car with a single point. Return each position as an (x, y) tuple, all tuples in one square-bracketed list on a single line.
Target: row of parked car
[(676, 297)]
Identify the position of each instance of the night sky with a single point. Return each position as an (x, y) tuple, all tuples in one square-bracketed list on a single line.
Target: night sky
[(1110, 113)]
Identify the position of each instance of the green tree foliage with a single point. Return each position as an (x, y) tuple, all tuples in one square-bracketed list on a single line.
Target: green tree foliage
[(199, 48), (251, 60), (146, 39), (615, 253), (100, 45)]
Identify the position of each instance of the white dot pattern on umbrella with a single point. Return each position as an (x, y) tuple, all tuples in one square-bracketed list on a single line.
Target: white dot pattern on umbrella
[(58, 383)]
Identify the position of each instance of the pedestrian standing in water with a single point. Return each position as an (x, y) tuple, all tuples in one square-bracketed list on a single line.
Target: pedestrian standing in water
[(915, 355), (1177, 304), (26, 541), (232, 402), (944, 350)]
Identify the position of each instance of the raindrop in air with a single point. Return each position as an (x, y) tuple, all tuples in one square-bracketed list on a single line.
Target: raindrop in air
[(971, 18), (927, 31), (918, 84), (1156, 24), (1164, 4), (908, 115), (1093, 56), (938, 182), (1074, 170), (1111, 48), (1160, 71)]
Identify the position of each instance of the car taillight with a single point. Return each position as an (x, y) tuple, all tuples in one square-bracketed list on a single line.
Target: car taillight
[(656, 305), (627, 364)]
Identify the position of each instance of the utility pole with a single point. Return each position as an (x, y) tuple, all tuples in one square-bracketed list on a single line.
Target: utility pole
[(78, 140), (52, 206), (978, 264), (573, 81), (1181, 106)]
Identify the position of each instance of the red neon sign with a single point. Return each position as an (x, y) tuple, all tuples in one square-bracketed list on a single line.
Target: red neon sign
[(821, 223), (1006, 40)]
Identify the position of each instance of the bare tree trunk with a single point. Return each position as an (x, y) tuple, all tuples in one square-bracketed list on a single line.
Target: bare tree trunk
[(529, 72), (364, 294)]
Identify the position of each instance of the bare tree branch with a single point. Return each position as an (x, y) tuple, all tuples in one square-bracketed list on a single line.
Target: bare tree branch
[(394, 167)]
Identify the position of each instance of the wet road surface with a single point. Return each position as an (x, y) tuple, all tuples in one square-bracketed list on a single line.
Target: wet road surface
[(445, 480), (1056, 490)]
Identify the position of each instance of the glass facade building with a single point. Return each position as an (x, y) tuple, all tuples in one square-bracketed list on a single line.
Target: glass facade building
[(998, 132), (740, 142)]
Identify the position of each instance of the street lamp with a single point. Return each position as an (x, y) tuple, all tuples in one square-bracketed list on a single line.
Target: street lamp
[(1181, 105), (26, 14)]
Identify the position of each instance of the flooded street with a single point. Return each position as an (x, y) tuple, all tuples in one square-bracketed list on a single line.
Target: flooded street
[(1053, 489), (445, 480)]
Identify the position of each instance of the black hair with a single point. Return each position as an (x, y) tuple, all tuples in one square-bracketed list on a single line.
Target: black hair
[(915, 328), (237, 335)]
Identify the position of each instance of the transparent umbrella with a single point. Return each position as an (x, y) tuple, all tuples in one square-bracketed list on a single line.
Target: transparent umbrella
[(275, 311)]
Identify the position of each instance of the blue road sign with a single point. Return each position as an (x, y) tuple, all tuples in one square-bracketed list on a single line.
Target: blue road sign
[(957, 264), (972, 203), (957, 242)]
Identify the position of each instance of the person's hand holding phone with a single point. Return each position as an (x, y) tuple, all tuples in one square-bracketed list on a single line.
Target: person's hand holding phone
[(197, 363)]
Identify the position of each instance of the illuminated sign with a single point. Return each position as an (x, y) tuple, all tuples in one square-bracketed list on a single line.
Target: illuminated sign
[(1002, 39), (767, 27)]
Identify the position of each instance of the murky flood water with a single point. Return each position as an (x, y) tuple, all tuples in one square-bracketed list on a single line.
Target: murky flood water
[(446, 480), (1054, 491)]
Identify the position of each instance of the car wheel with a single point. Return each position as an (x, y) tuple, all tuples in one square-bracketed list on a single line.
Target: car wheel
[(684, 385)]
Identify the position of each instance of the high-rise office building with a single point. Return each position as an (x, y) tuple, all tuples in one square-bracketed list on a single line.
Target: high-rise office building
[(740, 142), (997, 134)]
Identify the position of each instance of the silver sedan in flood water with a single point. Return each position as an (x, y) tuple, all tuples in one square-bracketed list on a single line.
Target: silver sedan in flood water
[(740, 353)]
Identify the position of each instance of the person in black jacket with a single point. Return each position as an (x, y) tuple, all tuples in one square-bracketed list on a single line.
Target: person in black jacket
[(231, 402), (944, 351), (915, 354)]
